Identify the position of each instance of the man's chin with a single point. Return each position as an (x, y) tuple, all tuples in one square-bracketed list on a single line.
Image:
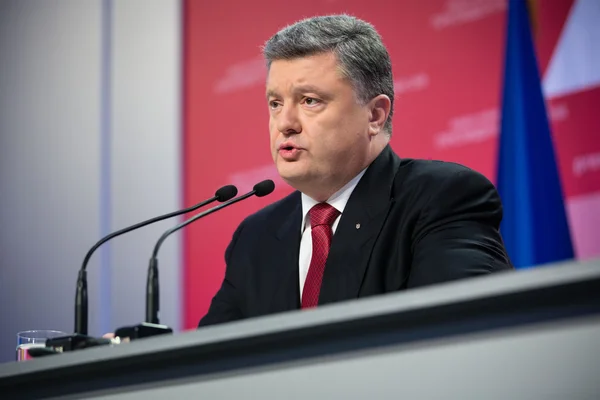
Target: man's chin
[(291, 175)]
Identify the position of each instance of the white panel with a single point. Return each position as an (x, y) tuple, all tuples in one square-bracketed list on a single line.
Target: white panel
[(557, 360), (575, 64), (49, 162), (145, 154)]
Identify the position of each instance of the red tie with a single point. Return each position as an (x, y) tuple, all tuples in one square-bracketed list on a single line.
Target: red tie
[(321, 217)]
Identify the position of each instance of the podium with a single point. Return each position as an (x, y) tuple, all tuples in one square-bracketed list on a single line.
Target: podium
[(531, 334)]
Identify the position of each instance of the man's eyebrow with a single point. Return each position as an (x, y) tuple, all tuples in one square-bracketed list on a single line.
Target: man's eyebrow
[(300, 89), (271, 93), (310, 88)]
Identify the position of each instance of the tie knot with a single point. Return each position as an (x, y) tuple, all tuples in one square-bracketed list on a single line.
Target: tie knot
[(322, 214)]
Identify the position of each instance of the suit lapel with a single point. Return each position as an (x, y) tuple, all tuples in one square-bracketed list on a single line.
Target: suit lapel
[(284, 254), (359, 226)]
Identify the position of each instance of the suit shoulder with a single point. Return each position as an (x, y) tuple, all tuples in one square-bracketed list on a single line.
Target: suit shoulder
[(435, 173)]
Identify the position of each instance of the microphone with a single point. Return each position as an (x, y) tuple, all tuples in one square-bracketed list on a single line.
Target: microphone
[(152, 294), (81, 298)]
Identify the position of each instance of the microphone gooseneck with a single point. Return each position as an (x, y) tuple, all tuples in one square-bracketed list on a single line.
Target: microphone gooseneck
[(81, 297)]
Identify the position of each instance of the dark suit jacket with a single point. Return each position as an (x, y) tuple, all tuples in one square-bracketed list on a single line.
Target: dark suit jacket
[(421, 223)]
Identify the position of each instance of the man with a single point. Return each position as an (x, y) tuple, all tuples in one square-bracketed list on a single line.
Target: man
[(362, 221)]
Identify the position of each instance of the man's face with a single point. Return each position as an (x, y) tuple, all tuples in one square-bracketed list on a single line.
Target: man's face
[(319, 131)]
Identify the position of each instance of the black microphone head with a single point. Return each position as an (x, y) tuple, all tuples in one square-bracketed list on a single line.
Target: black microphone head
[(226, 193), (264, 188)]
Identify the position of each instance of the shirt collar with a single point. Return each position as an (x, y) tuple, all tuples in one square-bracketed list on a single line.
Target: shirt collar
[(338, 200)]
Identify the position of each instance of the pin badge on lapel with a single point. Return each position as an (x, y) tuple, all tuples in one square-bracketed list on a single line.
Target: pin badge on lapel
[(357, 226)]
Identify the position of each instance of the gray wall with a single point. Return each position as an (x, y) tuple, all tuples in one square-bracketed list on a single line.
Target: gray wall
[(89, 143)]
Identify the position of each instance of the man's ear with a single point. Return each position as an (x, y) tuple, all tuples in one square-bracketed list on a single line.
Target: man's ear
[(379, 111)]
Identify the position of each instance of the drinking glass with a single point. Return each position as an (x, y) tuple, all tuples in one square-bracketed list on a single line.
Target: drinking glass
[(36, 338)]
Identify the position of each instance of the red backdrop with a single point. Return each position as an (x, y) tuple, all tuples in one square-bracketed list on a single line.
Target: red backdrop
[(447, 57)]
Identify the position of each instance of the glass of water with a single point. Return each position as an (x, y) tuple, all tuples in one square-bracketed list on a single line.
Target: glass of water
[(37, 338)]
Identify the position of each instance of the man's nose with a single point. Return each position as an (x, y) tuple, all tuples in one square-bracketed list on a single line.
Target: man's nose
[(288, 122)]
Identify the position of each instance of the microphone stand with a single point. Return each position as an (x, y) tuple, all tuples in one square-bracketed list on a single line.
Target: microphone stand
[(80, 339), (81, 297), (151, 327)]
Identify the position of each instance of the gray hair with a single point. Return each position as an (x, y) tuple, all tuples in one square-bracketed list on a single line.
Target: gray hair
[(363, 58)]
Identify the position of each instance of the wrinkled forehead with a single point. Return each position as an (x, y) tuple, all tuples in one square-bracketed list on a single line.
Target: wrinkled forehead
[(321, 71)]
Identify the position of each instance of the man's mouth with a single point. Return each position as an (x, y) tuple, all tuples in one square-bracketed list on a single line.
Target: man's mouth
[(288, 146), (289, 152)]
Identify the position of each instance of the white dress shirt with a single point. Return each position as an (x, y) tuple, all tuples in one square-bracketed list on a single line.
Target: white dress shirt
[(338, 201)]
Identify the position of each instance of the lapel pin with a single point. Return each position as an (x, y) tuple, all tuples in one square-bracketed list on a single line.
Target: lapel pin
[(357, 226)]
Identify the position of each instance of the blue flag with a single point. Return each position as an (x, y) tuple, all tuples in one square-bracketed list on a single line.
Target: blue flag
[(534, 228)]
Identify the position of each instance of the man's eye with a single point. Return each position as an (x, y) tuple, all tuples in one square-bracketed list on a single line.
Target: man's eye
[(273, 104), (310, 101)]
